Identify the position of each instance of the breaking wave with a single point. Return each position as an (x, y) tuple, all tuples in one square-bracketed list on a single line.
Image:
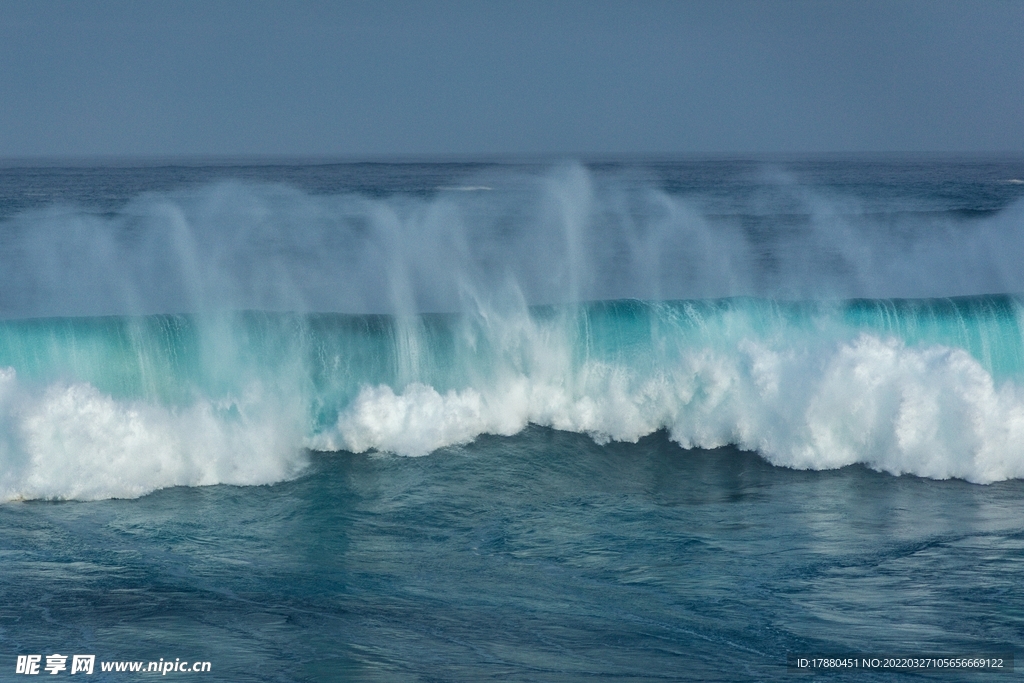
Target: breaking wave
[(116, 407), (176, 340)]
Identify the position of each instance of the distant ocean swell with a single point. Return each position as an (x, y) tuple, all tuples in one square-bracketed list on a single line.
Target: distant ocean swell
[(105, 407)]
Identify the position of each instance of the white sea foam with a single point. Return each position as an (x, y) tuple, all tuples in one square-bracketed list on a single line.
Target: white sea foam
[(74, 442), (933, 412)]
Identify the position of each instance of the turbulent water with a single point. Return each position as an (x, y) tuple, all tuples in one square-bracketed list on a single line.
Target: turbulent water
[(116, 407), (531, 329)]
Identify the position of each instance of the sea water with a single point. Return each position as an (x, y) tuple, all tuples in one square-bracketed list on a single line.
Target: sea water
[(632, 420)]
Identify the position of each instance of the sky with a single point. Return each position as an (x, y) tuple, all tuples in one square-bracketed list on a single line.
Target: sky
[(82, 78)]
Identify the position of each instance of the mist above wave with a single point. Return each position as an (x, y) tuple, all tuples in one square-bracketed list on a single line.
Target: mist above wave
[(564, 235)]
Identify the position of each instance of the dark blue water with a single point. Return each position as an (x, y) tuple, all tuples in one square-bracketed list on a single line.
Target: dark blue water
[(597, 498), (538, 557)]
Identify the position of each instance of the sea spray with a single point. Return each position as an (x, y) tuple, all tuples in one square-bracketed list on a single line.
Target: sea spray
[(550, 236), (116, 407)]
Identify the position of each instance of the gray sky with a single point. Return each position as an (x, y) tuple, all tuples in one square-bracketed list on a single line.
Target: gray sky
[(364, 79)]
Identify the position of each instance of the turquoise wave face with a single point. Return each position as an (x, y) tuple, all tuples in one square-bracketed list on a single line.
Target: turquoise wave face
[(173, 359), (928, 387)]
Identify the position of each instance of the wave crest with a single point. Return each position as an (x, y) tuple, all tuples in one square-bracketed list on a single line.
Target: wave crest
[(932, 411), (75, 442)]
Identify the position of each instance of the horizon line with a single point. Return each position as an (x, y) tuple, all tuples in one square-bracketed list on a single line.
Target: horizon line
[(484, 158)]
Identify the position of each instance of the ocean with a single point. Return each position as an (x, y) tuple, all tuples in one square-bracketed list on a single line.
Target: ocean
[(628, 420)]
